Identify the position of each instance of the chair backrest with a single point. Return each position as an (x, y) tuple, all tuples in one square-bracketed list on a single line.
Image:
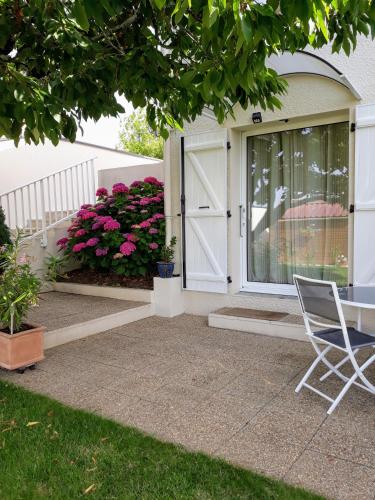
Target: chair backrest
[(320, 299), (317, 298)]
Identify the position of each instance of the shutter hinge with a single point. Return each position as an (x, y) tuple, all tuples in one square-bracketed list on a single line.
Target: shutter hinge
[(229, 213), (352, 127), (229, 279), (229, 145), (351, 209)]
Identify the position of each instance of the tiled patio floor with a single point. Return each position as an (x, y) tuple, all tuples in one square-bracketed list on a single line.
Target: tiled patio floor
[(227, 393), (58, 310)]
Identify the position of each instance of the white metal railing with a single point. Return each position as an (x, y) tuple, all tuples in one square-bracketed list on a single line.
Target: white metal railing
[(43, 203)]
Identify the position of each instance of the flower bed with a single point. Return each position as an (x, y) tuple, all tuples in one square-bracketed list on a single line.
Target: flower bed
[(123, 232), (93, 277)]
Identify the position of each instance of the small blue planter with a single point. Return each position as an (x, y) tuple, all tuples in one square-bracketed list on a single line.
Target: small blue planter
[(165, 269)]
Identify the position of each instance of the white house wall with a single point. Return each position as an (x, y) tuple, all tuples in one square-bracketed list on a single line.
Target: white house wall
[(310, 100), (24, 164), (108, 177)]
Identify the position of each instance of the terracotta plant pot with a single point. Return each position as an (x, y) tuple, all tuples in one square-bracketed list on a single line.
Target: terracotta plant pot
[(21, 349)]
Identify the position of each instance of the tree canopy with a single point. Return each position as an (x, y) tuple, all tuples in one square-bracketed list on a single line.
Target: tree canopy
[(62, 61), (137, 136)]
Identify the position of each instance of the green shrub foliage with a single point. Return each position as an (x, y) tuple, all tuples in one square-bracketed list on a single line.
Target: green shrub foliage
[(123, 232), (4, 230)]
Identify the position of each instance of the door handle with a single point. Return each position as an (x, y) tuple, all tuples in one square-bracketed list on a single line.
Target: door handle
[(206, 206)]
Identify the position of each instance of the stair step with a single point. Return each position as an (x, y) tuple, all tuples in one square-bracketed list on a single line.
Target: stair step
[(263, 322)]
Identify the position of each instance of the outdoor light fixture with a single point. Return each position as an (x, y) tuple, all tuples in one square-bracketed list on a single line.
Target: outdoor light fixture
[(257, 117)]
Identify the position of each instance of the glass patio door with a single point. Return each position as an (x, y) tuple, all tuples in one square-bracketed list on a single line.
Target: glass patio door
[(297, 199)]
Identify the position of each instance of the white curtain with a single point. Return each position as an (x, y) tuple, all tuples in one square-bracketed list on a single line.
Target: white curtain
[(298, 204)]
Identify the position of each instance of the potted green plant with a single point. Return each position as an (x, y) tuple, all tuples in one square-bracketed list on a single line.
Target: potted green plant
[(166, 264), (4, 232), (21, 344)]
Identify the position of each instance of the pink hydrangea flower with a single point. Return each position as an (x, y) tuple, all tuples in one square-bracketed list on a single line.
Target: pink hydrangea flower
[(62, 242), (130, 207), (130, 197), (158, 216), (99, 206), (78, 247), (80, 232), (135, 202), (132, 237), (127, 248), (152, 180), (102, 219), (101, 252), (119, 187), (145, 201), (111, 225), (153, 246), (153, 230), (86, 206), (136, 184), (96, 226), (88, 215), (92, 242), (101, 192), (144, 224), (155, 199)]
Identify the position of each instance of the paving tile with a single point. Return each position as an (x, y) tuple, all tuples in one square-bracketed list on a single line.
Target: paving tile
[(259, 453), (151, 417), (179, 397), (209, 375), (283, 426), (136, 384), (332, 477), (110, 403), (347, 439)]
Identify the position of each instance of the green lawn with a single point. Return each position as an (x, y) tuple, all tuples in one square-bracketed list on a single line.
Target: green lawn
[(48, 450)]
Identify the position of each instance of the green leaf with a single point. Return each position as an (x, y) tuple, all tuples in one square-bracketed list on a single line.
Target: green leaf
[(79, 12)]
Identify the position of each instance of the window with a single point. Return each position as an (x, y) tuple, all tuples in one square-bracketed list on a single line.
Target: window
[(297, 195)]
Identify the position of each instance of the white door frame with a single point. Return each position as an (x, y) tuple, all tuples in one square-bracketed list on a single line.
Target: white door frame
[(265, 128)]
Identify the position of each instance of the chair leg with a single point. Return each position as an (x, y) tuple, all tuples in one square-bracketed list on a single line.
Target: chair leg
[(312, 368), (342, 362), (345, 389), (358, 373)]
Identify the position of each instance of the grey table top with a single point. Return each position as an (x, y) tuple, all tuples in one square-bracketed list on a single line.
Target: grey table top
[(358, 296)]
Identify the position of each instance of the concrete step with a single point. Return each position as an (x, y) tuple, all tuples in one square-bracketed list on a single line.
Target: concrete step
[(263, 322), (69, 317)]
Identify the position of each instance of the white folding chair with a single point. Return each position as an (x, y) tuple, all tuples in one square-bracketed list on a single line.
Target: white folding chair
[(320, 301)]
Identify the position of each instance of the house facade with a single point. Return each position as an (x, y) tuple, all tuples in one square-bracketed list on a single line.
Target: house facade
[(261, 197)]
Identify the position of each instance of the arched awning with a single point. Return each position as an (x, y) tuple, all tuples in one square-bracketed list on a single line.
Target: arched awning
[(305, 63)]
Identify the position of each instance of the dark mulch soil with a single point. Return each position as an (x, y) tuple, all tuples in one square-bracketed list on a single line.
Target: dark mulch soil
[(91, 277), (24, 327)]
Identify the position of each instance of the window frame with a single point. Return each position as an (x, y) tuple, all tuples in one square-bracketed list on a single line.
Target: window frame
[(274, 127)]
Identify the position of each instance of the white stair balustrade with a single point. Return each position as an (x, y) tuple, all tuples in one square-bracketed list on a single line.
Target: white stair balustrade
[(41, 204)]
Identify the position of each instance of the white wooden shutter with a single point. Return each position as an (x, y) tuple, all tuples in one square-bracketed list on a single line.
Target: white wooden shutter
[(205, 219), (364, 212)]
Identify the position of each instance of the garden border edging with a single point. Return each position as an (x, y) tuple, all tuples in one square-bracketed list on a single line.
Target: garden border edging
[(110, 292)]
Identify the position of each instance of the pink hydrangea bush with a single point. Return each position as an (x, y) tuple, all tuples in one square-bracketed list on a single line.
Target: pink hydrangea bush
[(123, 232)]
